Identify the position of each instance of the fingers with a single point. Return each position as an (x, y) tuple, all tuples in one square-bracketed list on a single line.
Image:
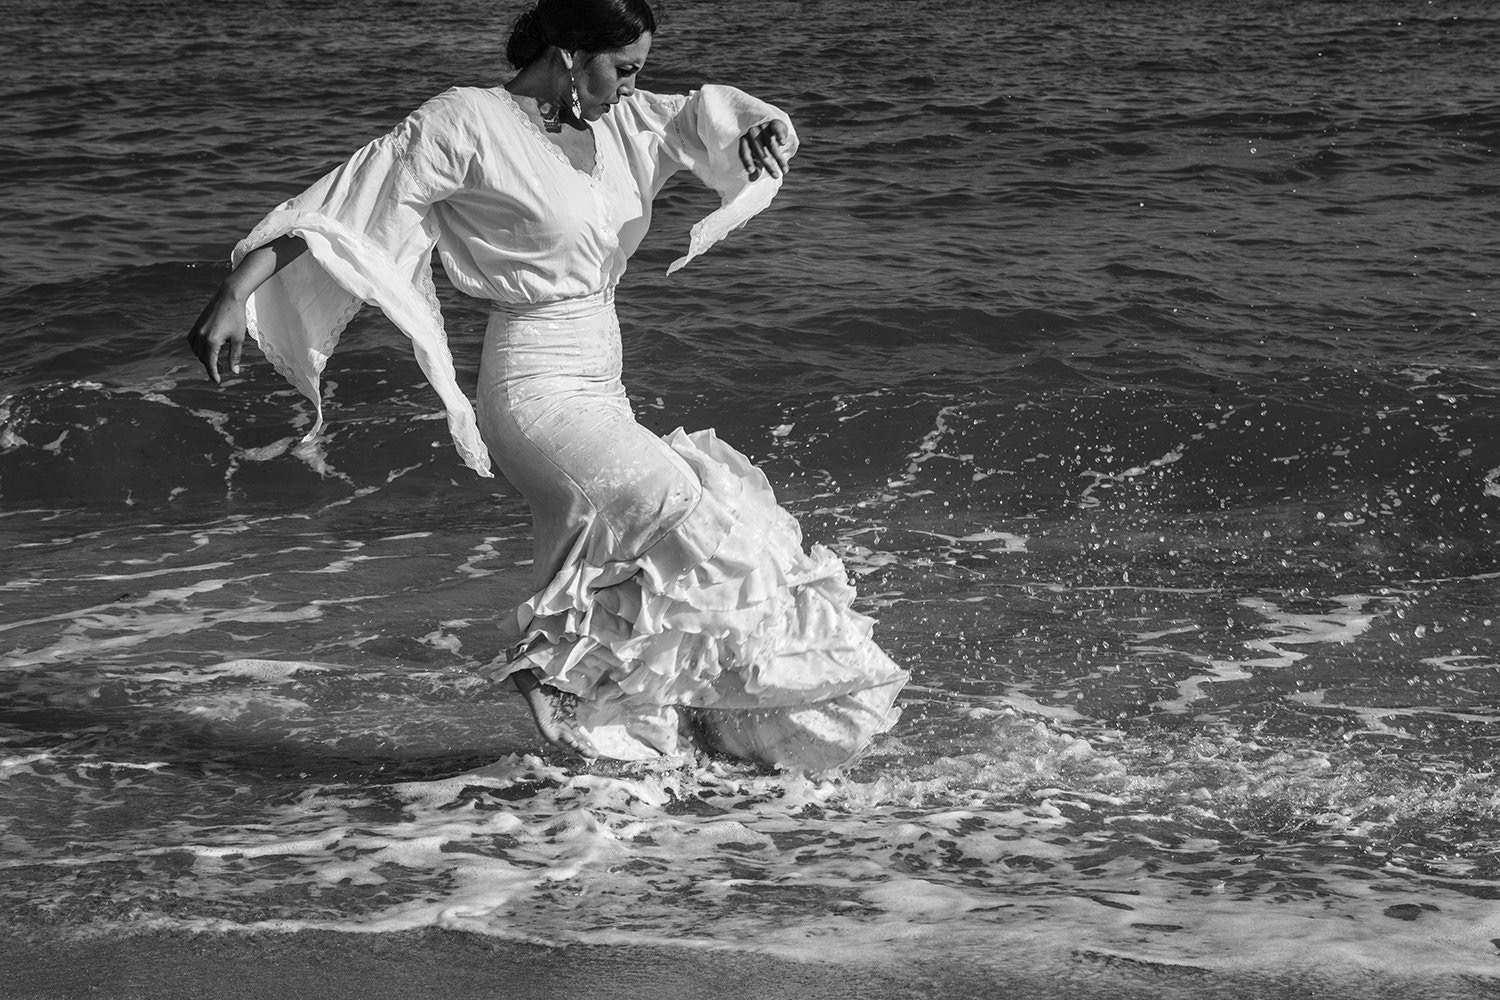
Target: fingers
[(212, 362), (763, 148), (208, 348), (776, 144), (210, 334), (205, 351), (747, 156)]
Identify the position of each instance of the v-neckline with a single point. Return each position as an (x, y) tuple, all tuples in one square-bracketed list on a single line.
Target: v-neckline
[(557, 151)]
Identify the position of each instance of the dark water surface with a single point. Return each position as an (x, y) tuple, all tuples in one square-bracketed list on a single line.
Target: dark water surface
[(1140, 359)]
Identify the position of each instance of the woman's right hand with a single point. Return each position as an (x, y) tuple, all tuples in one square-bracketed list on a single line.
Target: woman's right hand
[(221, 322), (223, 319)]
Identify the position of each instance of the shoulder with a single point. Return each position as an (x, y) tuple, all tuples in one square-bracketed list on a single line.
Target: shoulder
[(454, 106), (452, 121)]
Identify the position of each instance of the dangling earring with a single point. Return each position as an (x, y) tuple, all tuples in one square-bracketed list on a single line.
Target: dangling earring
[(574, 104)]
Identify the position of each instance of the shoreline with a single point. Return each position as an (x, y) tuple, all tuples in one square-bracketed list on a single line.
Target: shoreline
[(456, 965)]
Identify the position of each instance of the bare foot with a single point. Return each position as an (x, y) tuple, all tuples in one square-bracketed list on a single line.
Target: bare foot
[(544, 713)]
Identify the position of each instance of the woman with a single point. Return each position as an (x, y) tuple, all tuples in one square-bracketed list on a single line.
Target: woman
[(673, 598)]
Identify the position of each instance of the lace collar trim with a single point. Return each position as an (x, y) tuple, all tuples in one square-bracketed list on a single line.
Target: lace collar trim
[(511, 101)]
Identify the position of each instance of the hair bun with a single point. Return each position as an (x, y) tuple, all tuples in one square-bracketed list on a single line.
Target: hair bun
[(527, 39), (573, 25)]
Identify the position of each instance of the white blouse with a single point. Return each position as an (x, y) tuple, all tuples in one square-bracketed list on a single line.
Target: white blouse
[(512, 220)]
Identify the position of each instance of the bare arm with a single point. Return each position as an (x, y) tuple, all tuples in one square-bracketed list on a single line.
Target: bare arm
[(223, 319)]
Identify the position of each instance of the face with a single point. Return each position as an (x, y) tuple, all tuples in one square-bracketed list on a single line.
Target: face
[(606, 77)]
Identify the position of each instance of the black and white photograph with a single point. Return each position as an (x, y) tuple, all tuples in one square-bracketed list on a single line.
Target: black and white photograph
[(782, 499)]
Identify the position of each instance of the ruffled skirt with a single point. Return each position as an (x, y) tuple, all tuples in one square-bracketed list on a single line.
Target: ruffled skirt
[(673, 596)]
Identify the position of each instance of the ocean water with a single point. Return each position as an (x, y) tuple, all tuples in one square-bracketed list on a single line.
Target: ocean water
[(1139, 359)]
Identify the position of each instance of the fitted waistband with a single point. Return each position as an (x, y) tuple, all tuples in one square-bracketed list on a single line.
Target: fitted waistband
[(573, 308)]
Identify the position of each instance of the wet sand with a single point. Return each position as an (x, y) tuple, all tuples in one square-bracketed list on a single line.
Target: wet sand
[(456, 966)]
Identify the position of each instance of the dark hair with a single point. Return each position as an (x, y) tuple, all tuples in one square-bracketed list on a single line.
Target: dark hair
[(589, 25)]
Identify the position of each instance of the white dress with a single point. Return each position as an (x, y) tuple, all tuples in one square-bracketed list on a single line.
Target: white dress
[(673, 596)]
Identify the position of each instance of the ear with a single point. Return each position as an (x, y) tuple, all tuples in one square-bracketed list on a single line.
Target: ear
[(567, 59)]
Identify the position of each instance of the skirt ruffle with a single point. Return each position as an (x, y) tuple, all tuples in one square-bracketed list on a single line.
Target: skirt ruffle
[(723, 632)]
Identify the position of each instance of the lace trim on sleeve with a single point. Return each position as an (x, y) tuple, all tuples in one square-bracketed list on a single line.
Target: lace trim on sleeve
[(370, 238), (271, 229), (299, 357)]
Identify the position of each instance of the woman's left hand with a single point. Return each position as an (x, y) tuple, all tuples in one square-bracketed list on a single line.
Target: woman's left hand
[(764, 148)]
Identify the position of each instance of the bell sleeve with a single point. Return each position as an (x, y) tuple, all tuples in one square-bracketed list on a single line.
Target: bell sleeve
[(370, 231), (701, 133)]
